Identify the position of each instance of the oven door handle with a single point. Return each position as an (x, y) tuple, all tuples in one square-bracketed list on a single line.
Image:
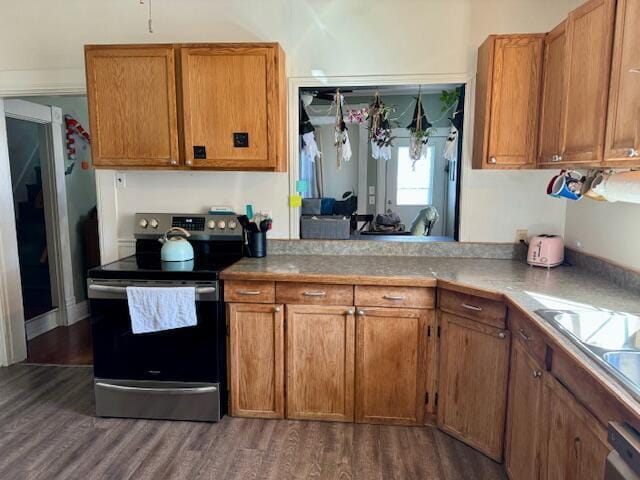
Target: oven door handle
[(163, 390), (111, 291)]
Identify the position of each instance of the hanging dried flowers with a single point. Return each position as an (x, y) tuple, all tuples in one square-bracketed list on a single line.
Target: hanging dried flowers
[(380, 129), (358, 115)]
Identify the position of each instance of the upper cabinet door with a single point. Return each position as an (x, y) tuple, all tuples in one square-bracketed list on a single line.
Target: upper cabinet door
[(549, 144), (623, 124), (233, 102), (132, 105), (588, 67), (508, 92)]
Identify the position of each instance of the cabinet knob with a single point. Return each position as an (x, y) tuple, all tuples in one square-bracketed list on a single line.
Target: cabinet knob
[(502, 335), (556, 158), (361, 313), (632, 152), (174, 162), (537, 374), (493, 160), (276, 309), (189, 162), (349, 312)]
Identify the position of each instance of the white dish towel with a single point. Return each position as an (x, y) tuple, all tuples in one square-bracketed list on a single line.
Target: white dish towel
[(154, 309)]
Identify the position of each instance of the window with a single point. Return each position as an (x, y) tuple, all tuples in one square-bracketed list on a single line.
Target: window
[(414, 185)]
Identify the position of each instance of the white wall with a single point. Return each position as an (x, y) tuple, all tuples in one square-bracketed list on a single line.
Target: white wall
[(608, 230), (336, 37)]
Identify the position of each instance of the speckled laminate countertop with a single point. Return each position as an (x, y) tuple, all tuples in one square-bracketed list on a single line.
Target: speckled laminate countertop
[(529, 288)]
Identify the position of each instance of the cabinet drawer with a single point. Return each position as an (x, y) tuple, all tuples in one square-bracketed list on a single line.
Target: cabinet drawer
[(484, 310), (249, 291), (528, 335), (314, 294), (407, 297)]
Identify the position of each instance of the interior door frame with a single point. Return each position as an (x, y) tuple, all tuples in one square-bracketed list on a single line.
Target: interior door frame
[(13, 342), (296, 83)]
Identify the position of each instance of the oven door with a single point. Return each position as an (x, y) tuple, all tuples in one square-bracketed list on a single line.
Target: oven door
[(191, 354)]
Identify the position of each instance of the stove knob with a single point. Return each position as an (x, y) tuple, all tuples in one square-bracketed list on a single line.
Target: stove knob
[(143, 223), (153, 223), (211, 224), (222, 224), (232, 224)]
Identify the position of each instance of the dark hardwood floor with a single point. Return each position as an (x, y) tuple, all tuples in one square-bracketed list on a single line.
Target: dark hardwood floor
[(48, 431), (62, 346)]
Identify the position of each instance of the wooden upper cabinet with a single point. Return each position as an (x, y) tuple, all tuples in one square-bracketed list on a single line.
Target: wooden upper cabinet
[(391, 365), (525, 424), (586, 82), (132, 105), (320, 362), (623, 122), (550, 136), (233, 100), (474, 365), (507, 97), (256, 360), (575, 446)]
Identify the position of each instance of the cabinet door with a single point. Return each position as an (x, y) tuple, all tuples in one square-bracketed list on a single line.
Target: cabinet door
[(588, 68), (524, 416), (623, 121), (576, 447), (513, 130), (256, 360), (474, 363), (550, 137), (131, 94), (391, 365), (232, 104), (320, 362)]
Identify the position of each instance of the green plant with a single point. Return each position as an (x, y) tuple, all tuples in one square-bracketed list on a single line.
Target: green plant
[(448, 98)]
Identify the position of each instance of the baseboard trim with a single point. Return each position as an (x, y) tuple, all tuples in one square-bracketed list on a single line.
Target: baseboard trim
[(77, 312), (41, 324)]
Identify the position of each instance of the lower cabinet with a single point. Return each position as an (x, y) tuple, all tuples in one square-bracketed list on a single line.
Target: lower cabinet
[(525, 423), (256, 360), (575, 446), (474, 364), (320, 362), (391, 365)]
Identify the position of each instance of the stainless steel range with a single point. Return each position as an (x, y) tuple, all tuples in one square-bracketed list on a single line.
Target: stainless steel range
[(174, 374)]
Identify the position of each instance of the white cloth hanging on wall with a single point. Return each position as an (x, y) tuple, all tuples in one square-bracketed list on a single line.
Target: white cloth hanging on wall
[(310, 145)]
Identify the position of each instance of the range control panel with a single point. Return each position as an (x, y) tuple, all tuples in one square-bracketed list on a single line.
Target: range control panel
[(201, 226)]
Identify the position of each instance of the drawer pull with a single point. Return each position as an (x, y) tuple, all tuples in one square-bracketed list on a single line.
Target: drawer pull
[(361, 313), (537, 374), (502, 335), (472, 307), (349, 312), (394, 297), (249, 292), (276, 309), (315, 294), (524, 335)]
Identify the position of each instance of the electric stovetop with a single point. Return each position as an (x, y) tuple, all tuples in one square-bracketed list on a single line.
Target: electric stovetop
[(153, 269)]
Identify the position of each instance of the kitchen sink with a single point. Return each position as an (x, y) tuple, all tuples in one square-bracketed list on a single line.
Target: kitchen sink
[(612, 339), (626, 362)]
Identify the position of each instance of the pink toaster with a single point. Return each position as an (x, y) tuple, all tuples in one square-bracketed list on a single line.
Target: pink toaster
[(546, 251)]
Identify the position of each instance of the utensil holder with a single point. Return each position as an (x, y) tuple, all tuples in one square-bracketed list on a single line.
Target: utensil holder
[(256, 244)]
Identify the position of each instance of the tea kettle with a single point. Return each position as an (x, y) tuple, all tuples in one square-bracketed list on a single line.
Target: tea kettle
[(175, 246)]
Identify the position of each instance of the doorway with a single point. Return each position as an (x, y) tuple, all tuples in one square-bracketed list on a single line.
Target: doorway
[(33, 217), (53, 230)]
